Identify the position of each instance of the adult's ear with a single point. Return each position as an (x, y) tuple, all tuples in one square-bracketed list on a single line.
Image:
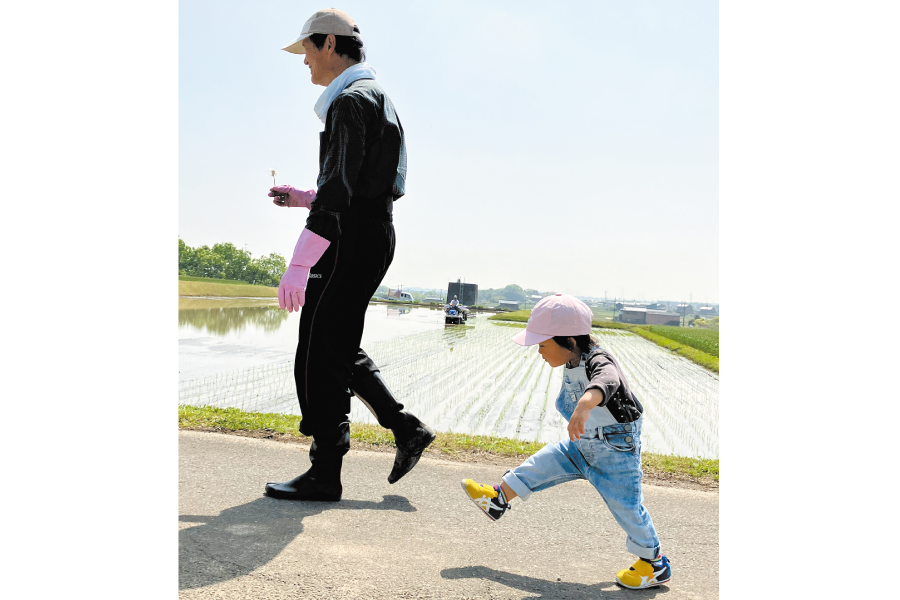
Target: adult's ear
[(330, 43)]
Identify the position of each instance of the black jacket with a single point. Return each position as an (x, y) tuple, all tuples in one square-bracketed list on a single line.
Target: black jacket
[(362, 158), (605, 374)]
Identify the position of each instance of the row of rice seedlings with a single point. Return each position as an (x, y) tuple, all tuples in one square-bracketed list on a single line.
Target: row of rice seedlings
[(520, 395), (550, 418), (246, 389), (435, 385), (529, 424), (680, 399), (475, 380), (486, 380)]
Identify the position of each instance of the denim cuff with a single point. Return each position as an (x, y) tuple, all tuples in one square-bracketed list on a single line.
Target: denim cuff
[(516, 485), (648, 553)]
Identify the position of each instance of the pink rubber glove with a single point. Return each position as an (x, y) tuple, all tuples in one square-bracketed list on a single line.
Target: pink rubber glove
[(286, 195), (292, 289)]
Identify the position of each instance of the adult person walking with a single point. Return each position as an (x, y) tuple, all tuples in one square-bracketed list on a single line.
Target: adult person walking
[(341, 257)]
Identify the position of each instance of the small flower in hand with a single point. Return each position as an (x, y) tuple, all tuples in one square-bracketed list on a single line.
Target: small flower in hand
[(280, 199)]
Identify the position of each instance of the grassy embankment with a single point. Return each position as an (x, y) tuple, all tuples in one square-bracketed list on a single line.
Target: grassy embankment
[(455, 446), (225, 288), (698, 345)]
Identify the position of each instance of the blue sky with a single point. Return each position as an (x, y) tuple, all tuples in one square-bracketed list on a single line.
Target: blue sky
[(583, 161)]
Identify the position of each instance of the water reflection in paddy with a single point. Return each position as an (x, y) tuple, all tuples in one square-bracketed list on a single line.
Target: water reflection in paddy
[(216, 335)]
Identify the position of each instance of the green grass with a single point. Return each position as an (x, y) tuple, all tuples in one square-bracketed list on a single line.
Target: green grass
[(699, 357), (700, 346), (212, 287), (520, 316), (700, 468), (453, 444), (211, 280), (705, 340)]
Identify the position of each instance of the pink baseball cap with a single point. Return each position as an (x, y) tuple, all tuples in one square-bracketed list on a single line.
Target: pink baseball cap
[(556, 315)]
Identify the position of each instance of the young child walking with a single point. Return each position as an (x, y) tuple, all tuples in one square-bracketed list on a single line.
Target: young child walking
[(604, 444)]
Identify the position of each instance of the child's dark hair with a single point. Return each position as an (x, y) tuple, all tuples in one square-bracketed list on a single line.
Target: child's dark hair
[(583, 343)]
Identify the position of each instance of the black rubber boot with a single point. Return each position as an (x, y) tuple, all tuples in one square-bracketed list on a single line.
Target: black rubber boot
[(412, 437), (315, 484), (323, 479), (372, 390)]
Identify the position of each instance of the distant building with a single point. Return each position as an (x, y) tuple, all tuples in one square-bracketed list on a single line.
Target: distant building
[(709, 311), (684, 309), (509, 304), (661, 317), (633, 315), (437, 299), (536, 298), (643, 316), (466, 292)]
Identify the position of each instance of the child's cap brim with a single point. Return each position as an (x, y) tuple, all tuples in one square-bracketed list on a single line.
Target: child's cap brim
[(530, 338)]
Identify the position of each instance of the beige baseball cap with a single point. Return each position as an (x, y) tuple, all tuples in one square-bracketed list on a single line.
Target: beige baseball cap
[(327, 20)]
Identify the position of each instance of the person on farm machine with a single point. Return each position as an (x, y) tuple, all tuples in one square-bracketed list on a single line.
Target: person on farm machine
[(455, 304), (341, 257), (604, 442)]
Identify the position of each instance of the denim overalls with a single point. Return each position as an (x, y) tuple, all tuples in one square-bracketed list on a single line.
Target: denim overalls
[(608, 455)]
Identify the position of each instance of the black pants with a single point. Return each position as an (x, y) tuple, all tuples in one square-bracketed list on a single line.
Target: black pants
[(329, 358)]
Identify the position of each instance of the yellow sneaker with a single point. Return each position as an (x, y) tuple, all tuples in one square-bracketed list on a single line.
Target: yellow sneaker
[(644, 574), (488, 498)]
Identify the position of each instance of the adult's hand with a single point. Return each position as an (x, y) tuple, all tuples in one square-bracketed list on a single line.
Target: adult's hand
[(292, 289), (286, 195)]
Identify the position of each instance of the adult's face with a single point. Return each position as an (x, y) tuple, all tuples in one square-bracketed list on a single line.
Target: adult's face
[(316, 60), (324, 65)]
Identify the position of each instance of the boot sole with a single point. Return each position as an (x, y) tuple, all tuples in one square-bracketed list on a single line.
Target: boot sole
[(315, 496)]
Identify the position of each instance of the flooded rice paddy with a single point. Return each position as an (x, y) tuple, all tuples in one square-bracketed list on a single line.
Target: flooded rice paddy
[(465, 379)]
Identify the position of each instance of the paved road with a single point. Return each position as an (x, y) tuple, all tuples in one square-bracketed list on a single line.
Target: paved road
[(418, 538)]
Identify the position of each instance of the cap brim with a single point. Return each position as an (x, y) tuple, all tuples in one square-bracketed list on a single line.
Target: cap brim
[(530, 338), (296, 47)]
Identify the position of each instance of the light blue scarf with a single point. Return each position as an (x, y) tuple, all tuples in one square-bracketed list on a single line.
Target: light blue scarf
[(350, 74)]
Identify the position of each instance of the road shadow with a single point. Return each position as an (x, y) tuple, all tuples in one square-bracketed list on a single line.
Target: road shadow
[(557, 590), (243, 538)]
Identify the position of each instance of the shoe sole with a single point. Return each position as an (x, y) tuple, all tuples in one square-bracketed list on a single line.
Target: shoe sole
[(466, 490), (646, 587), (318, 497)]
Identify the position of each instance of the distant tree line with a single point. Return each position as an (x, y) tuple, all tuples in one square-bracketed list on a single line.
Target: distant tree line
[(510, 292), (705, 323), (225, 261)]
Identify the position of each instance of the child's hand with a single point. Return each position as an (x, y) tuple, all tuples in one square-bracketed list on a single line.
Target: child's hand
[(577, 422), (582, 412)]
